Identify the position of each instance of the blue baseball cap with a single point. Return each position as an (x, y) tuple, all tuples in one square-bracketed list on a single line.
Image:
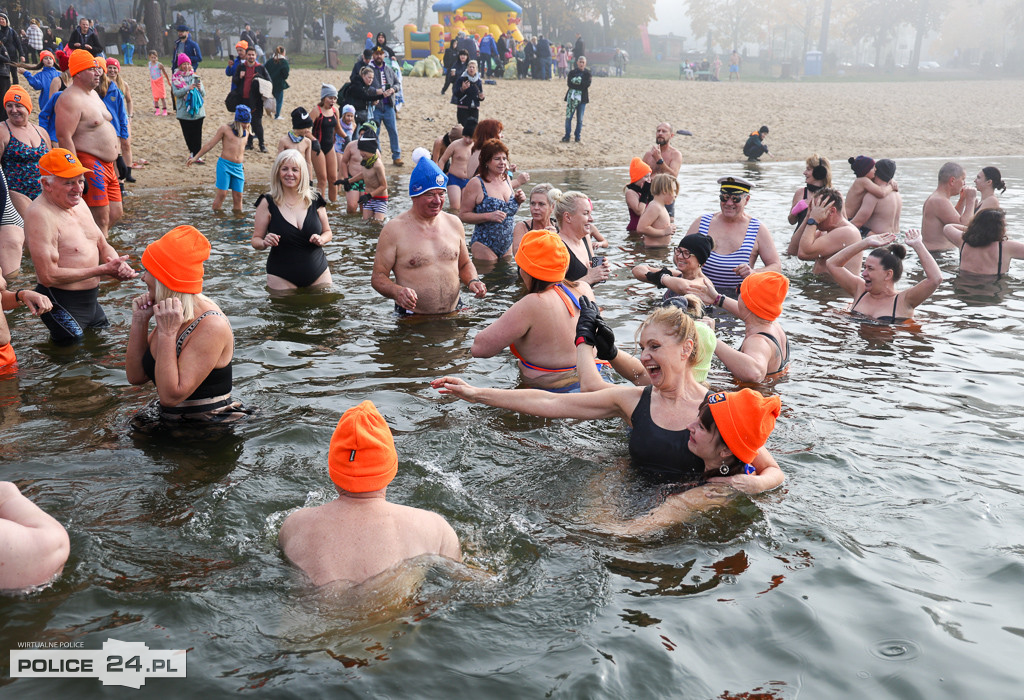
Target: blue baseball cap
[(243, 114), (426, 176)]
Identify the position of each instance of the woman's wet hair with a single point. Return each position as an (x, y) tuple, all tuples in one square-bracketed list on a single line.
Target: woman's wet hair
[(662, 183), (689, 303), (891, 258), (567, 203), (679, 324), (489, 150), (992, 173), (987, 227), (730, 465), (485, 131), (548, 190), (821, 169)]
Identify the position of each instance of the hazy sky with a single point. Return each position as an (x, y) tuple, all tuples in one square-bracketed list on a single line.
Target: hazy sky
[(671, 18)]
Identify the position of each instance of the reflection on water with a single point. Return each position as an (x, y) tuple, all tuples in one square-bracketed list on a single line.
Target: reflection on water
[(887, 566)]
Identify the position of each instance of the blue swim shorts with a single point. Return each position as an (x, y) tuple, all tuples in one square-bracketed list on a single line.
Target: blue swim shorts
[(230, 176)]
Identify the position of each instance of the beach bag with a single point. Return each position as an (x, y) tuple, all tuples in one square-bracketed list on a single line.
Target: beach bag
[(232, 100)]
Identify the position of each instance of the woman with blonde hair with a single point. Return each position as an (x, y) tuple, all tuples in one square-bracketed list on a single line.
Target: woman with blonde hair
[(542, 200), (291, 221), (574, 215), (817, 174)]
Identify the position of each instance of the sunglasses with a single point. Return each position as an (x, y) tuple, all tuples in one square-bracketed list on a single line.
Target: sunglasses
[(736, 198)]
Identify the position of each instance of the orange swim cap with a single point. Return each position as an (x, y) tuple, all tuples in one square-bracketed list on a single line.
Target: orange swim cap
[(20, 95), (637, 169), (744, 419), (543, 256), (176, 259), (362, 457), (764, 292), (80, 60)]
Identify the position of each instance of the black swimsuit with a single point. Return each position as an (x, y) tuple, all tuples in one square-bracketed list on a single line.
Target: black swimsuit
[(578, 270), (999, 264), (785, 355), (662, 456), (216, 384), (294, 258), (325, 129), (881, 319)]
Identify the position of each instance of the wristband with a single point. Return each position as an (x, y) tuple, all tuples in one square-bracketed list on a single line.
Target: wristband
[(720, 300), (580, 340)]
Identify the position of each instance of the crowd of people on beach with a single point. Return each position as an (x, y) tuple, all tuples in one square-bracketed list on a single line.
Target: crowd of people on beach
[(685, 438)]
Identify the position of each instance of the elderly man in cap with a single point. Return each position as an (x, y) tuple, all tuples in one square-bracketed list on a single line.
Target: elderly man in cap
[(880, 214), (360, 534), (69, 251), (83, 125), (425, 247), (186, 45)]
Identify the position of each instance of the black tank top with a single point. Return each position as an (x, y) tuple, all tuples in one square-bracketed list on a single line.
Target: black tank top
[(662, 456)]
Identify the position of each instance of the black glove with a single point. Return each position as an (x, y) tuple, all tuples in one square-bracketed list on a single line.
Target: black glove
[(364, 198), (344, 183), (606, 349), (654, 277), (316, 146), (586, 325)]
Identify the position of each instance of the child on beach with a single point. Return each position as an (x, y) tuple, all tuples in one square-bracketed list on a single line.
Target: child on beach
[(655, 225), (300, 136), (230, 171), (157, 76), (375, 198)]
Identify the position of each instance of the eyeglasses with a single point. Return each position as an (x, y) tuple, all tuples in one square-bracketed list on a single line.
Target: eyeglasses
[(736, 198), (683, 252)]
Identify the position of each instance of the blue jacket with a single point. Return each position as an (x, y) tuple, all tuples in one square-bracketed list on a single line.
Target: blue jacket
[(46, 119), (114, 100), (190, 49), (487, 45), (232, 67), (41, 81)]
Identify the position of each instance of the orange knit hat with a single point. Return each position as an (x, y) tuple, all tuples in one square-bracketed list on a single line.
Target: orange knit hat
[(176, 259), (764, 292), (744, 419), (20, 95), (543, 256), (362, 457), (80, 60), (637, 169)]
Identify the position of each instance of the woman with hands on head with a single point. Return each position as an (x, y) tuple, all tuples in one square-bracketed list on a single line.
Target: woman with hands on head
[(660, 414), (188, 355), (291, 222), (875, 289)]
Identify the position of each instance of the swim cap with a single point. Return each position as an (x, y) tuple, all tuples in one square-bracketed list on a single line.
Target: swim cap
[(734, 185), (706, 344), (426, 176), (368, 143), (861, 165), (62, 163), (182, 58), (80, 60), (744, 419), (885, 169), (763, 293), (20, 95), (637, 169), (543, 256), (327, 91), (301, 118), (176, 259), (243, 114), (362, 457), (698, 244), (111, 61), (418, 153)]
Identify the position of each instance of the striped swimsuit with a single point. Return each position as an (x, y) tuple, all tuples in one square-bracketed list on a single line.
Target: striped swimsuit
[(719, 268)]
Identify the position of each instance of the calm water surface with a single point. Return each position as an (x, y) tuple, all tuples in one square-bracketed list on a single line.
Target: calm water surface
[(888, 566)]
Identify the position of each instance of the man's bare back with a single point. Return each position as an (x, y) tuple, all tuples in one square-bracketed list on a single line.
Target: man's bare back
[(880, 215)]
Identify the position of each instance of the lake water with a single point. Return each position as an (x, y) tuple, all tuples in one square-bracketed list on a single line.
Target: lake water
[(889, 565)]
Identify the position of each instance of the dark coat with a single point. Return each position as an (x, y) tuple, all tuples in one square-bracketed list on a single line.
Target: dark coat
[(91, 42), (238, 84), (579, 80)]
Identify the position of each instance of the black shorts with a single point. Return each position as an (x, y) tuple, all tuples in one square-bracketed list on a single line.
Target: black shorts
[(73, 310)]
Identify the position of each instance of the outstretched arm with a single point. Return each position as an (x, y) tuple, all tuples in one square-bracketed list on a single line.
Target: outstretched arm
[(926, 287)]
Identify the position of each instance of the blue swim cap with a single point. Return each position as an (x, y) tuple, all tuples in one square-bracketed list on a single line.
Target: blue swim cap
[(243, 114), (426, 176)]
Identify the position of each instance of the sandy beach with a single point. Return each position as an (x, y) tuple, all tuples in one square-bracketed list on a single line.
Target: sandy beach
[(834, 119)]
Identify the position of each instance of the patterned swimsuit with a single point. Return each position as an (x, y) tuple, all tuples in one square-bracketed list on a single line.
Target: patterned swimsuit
[(495, 235), (21, 165)]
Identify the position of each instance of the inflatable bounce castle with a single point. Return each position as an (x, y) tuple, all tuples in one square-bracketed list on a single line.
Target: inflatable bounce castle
[(477, 17)]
